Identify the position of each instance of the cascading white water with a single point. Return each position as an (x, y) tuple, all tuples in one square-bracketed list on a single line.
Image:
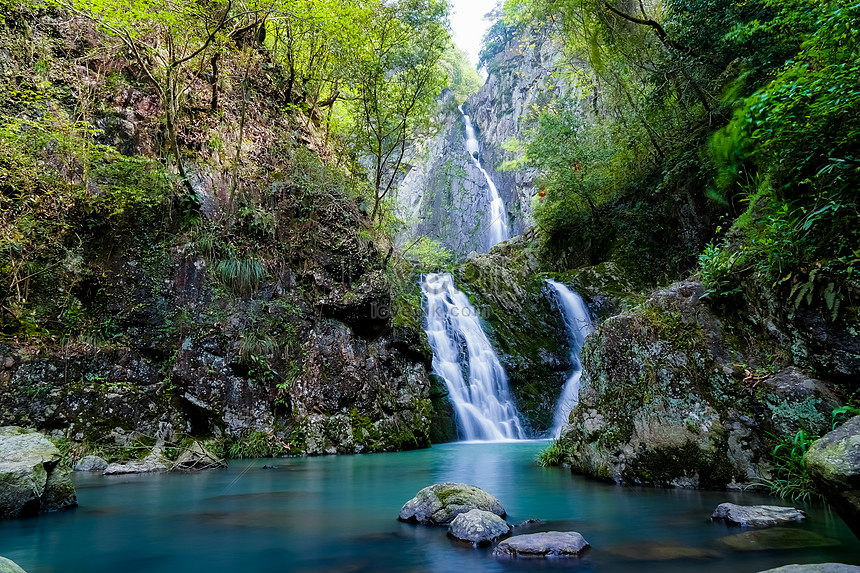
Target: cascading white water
[(482, 402), (498, 219), (578, 324)]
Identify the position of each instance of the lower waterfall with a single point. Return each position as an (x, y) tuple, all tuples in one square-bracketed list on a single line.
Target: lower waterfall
[(578, 324), (464, 358)]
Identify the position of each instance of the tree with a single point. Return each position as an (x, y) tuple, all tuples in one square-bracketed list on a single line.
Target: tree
[(394, 78), (169, 40)]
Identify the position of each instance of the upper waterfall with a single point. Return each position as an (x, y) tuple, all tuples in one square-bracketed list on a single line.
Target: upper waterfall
[(579, 325), (499, 230), (481, 400)]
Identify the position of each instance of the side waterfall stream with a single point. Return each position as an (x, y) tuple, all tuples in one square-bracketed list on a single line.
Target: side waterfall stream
[(578, 323)]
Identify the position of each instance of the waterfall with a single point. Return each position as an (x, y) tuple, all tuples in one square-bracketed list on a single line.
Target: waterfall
[(498, 218), (578, 324), (482, 402)]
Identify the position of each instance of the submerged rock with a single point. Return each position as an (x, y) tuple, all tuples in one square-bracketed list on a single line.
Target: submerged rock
[(32, 479), (549, 544), (757, 515), (815, 568), (91, 464), (150, 464), (667, 551), (479, 527), (8, 566), (777, 538), (440, 503), (198, 458), (834, 465)]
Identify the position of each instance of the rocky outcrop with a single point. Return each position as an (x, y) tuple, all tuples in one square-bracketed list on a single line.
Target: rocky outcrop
[(251, 305), (197, 458), (542, 545), (665, 400), (32, 477), (478, 527), (153, 463), (833, 463), (757, 515), (439, 504), (90, 464)]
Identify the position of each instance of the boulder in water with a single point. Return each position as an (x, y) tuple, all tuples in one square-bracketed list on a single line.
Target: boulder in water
[(757, 515), (777, 538), (8, 566), (478, 527), (150, 464), (834, 465), (549, 544), (198, 458), (439, 504), (32, 479), (662, 551), (816, 568), (91, 464)]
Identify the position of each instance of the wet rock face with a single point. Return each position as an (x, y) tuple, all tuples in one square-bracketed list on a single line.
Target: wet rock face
[(542, 545), (439, 504), (757, 515), (663, 402), (834, 465), (91, 464), (32, 479)]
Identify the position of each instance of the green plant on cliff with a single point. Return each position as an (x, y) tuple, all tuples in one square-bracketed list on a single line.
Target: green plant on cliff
[(790, 476)]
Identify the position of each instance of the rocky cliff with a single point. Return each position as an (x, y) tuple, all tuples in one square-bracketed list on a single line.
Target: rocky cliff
[(256, 310), (444, 196)]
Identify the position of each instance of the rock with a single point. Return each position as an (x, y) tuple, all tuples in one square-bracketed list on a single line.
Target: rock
[(549, 544), (777, 538), (32, 479), (757, 515), (479, 527), (440, 503), (198, 458), (152, 463), (657, 551), (7, 566), (815, 568), (91, 464), (833, 463), (688, 416)]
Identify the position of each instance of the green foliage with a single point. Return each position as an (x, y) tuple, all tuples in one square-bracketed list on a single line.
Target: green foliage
[(555, 454), (258, 445), (463, 79), (243, 276), (790, 476), (429, 255)]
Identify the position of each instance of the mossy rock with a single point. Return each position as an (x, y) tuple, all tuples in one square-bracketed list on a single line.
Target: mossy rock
[(440, 503)]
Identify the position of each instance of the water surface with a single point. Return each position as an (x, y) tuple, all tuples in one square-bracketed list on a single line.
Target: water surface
[(338, 514)]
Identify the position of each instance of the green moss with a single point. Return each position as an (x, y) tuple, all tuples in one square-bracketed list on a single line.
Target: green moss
[(663, 465)]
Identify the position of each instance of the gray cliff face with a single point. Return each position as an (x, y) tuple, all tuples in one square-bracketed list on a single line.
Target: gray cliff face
[(444, 196), (521, 77)]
